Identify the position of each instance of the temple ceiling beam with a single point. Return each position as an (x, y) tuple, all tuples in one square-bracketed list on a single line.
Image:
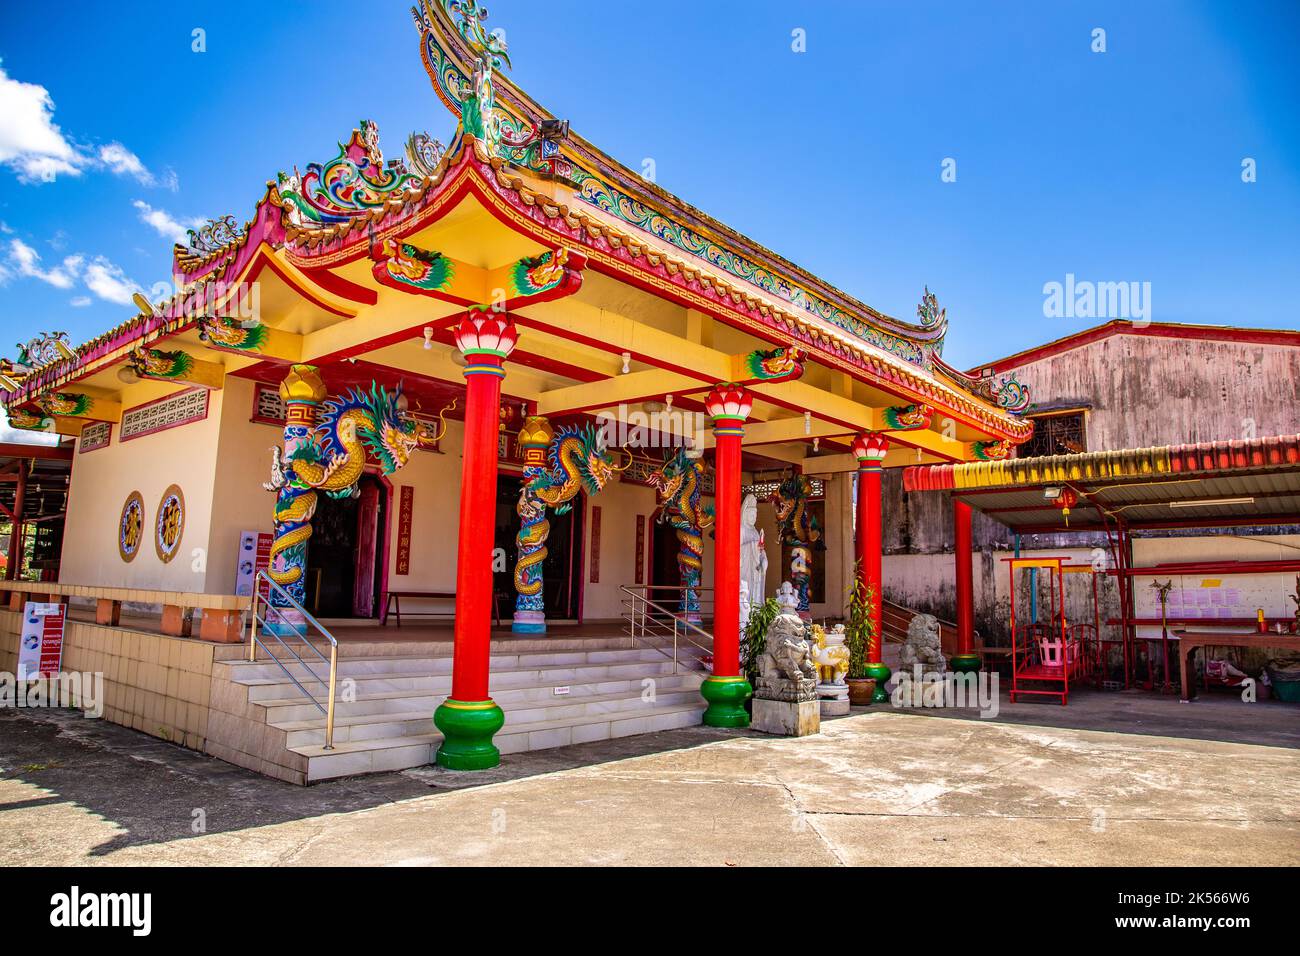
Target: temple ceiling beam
[(622, 389)]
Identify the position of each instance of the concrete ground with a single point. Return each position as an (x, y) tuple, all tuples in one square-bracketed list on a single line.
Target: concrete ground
[(1119, 779)]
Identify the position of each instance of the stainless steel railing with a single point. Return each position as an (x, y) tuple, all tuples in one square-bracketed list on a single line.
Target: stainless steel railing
[(654, 623), (291, 620)]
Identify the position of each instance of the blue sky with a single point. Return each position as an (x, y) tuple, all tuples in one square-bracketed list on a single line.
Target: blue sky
[(1117, 166)]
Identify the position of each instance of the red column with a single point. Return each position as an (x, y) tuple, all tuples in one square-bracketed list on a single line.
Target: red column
[(478, 497), (966, 659), (15, 557), (469, 717), (726, 691), (869, 448)]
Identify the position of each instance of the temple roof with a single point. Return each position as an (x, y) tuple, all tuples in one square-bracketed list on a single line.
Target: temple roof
[(560, 190)]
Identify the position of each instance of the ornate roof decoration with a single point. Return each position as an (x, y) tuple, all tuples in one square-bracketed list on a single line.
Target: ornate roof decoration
[(933, 317), (1010, 394), (462, 60), (351, 184), (425, 153), (215, 235), (39, 351)]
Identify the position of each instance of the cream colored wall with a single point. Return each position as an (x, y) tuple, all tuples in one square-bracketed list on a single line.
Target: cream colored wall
[(102, 480), (619, 505), (239, 503), (435, 519)]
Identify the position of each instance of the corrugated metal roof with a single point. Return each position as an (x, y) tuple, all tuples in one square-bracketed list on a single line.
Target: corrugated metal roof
[(1202, 484)]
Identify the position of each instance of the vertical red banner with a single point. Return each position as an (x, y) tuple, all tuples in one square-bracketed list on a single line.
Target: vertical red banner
[(405, 508), (595, 544), (640, 549)]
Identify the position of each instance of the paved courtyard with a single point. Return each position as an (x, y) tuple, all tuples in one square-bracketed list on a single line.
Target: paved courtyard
[(1120, 779)]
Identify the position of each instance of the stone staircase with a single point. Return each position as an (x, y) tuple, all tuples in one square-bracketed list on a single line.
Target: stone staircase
[(384, 711)]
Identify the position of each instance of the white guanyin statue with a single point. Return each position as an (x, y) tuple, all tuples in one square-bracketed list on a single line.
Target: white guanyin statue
[(753, 551), (745, 607)]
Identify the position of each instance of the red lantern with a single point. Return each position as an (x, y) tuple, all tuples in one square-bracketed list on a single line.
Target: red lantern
[(1066, 500)]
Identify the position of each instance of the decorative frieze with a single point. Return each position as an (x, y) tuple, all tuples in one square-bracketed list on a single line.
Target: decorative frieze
[(170, 412)]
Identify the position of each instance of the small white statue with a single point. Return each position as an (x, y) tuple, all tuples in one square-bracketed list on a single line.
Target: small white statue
[(753, 551), (787, 598), (745, 606)]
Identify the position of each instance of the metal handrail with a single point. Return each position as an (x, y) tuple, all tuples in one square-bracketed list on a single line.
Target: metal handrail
[(293, 630), (642, 624)]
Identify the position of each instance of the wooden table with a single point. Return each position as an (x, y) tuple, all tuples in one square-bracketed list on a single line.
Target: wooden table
[(1189, 641), (393, 603)]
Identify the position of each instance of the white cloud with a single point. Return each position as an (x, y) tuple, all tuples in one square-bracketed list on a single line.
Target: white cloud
[(80, 302), (100, 276), (27, 262), (164, 223), (109, 282), (34, 145), (30, 141)]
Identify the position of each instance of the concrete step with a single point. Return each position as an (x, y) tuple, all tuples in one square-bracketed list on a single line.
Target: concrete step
[(384, 712), (264, 670), (402, 752), (279, 710), (281, 688), (403, 723)]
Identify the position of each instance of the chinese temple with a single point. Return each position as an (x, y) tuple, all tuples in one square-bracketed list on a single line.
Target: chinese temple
[(508, 374)]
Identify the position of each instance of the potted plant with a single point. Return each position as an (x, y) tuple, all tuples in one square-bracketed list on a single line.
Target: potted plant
[(751, 648), (860, 638)]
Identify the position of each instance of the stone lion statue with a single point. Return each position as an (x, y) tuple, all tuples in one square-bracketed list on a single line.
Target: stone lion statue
[(923, 645), (786, 653)]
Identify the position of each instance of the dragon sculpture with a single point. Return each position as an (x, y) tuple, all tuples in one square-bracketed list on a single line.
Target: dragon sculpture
[(224, 333), (578, 462), (332, 457), (156, 363), (679, 483), (799, 530), (774, 365)]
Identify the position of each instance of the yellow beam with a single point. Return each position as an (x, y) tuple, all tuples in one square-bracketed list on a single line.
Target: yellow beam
[(839, 464), (618, 333), (622, 389), (394, 316), (837, 409)]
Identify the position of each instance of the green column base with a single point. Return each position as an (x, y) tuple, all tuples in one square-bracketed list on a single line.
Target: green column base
[(964, 663), (726, 697), (467, 729), (881, 673)]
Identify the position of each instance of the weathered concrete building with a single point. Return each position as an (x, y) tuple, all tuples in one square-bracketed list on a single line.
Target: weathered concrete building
[(1118, 385)]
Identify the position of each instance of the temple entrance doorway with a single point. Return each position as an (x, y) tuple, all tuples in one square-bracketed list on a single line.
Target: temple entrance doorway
[(664, 572), (344, 572), (562, 570)]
